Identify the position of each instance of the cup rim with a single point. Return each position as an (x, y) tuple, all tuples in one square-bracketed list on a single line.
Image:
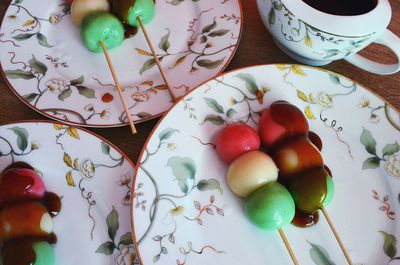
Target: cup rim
[(362, 24)]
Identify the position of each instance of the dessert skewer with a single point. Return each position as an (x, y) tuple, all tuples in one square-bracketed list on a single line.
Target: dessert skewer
[(336, 234), (253, 175), (299, 161), (137, 15), (118, 86), (153, 52), (101, 30), (288, 247)]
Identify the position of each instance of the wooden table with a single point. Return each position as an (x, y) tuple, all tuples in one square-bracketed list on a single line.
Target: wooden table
[(256, 47)]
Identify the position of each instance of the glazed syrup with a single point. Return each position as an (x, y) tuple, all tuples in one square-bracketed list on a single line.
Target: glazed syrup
[(315, 139), (302, 219)]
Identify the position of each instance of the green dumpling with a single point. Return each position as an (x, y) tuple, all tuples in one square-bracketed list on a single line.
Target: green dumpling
[(129, 10), (271, 207), (28, 251), (101, 26), (330, 191), (311, 189)]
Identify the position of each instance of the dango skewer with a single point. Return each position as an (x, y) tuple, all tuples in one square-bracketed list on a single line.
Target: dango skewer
[(299, 161), (253, 175), (100, 31), (141, 13)]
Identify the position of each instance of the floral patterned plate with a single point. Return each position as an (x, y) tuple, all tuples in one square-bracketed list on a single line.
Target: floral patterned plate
[(94, 184), (49, 69), (185, 214)]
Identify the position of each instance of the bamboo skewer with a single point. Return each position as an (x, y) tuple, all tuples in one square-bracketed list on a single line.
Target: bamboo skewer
[(288, 247), (119, 89), (153, 52), (336, 234)]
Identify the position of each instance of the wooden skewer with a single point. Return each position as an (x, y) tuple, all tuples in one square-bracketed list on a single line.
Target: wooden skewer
[(153, 52), (336, 234), (288, 247), (119, 89)]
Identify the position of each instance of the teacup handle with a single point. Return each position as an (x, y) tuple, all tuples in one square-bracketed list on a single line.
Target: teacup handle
[(389, 40)]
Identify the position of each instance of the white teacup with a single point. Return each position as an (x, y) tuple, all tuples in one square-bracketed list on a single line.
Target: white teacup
[(317, 38)]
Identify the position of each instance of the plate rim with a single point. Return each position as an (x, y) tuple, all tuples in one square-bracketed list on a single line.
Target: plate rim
[(150, 136), (116, 125)]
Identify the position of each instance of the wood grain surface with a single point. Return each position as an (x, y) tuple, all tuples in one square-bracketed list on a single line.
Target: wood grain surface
[(256, 47)]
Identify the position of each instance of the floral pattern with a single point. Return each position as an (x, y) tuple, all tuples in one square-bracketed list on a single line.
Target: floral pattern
[(297, 31), (182, 201), (94, 184), (54, 74)]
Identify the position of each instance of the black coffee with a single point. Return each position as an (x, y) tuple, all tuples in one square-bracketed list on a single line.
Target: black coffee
[(343, 7)]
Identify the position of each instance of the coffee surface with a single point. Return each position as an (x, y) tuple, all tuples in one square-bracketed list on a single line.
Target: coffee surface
[(343, 7)]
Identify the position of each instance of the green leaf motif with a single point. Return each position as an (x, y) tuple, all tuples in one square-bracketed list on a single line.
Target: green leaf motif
[(250, 82), (112, 223), (209, 184), (18, 1), (271, 16), (106, 248), (42, 39), (203, 39), (209, 64), (175, 2), (184, 169), (389, 245), (390, 149), (212, 103), (218, 33), (278, 6), (147, 65), (19, 74), (126, 239), (164, 43), (166, 134), (23, 36), (319, 255), (210, 27), (368, 141), (144, 115), (65, 94), (230, 113), (334, 79), (78, 81), (214, 119), (371, 163), (39, 67), (87, 92), (30, 97), (105, 148), (22, 137)]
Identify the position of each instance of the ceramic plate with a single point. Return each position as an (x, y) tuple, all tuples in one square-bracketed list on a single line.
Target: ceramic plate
[(94, 183), (186, 214), (48, 68)]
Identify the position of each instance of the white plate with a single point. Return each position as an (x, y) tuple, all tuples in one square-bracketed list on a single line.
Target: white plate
[(94, 201), (191, 216), (49, 69)]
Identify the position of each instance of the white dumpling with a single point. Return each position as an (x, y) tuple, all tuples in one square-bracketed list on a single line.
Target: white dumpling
[(80, 8)]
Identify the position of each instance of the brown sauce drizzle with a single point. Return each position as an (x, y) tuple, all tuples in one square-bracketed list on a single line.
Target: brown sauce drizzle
[(302, 219), (315, 139)]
